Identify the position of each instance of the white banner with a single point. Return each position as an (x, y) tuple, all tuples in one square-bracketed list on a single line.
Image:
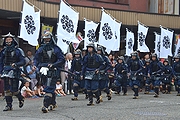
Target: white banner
[(129, 42), (142, 32), (177, 51), (107, 35), (63, 44), (68, 21), (90, 29), (157, 44), (117, 37), (166, 43), (30, 24)]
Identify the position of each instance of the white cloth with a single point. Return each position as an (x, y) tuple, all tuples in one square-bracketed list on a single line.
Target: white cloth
[(166, 43), (90, 29), (58, 86), (30, 24), (177, 51), (44, 70), (129, 42), (157, 44), (63, 44), (23, 89), (109, 35), (68, 23), (142, 33)]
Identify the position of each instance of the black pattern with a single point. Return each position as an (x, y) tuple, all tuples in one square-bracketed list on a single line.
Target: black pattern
[(166, 42), (158, 46), (141, 38), (29, 24), (67, 42), (67, 24), (107, 32), (130, 44), (178, 51), (91, 36)]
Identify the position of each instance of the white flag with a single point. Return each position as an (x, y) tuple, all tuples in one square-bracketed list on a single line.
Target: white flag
[(68, 21), (157, 44), (63, 44), (30, 24), (177, 51), (117, 37), (166, 43), (129, 42), (90, 29), (107, 35), (142, 32)]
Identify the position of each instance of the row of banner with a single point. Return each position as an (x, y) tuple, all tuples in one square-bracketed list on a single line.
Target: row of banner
[(109, 34)]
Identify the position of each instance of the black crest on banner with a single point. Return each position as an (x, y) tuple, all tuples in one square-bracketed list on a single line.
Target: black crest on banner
[(29, 24), (166, 42), (141, 38), (67, 42), (178, 51), (91, 36), (130, 43), (107, 32), (158, 46), (67, 24)]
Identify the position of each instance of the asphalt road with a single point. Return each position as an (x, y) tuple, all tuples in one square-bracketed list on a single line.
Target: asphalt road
[(166, 107)]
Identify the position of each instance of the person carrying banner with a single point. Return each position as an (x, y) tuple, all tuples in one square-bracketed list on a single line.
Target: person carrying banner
[(92, 64), (49, 59), (167, 77), (11, 59), (121, 70), (76, 68), (176, 72), (104, 80), (134, 68), (156, 68)]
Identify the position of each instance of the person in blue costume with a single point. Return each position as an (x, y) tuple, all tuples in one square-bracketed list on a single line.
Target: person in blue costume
[(49, 60), (167, 77), (176, 73), (11, 59), (76, 68), (92, 64), (156, 68), (121, 70), (134, 69), (104, 80)]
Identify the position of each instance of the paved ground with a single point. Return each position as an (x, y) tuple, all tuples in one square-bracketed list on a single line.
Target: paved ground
[(166, 107)]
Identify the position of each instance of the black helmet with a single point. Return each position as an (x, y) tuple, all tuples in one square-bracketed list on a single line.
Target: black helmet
[(11, 36), (134, 54), (147, 60), (120, 58), (77, 52), (100, 48), (177, 56), (48, 35), (154, 55), (91, 45)]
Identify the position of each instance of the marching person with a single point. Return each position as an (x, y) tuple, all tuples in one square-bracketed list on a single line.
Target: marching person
[(167, 77), (121, 76), (92, 64), (104, 80), (134, 68), (176, 72), (76, 68), (11, 59), (49, 59), (156, 68), (146, 72)]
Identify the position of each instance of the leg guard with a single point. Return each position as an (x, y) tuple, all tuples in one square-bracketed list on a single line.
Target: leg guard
[(156, 90), (75, 89), (90, 96), (164, 88), (47, 100), (169, 89), (124, 90), (97, 93), (20, 98), (53, 99), (135, 90)]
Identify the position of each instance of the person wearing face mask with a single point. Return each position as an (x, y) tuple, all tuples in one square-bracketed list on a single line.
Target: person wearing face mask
[(49, 60), (11, 59)]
